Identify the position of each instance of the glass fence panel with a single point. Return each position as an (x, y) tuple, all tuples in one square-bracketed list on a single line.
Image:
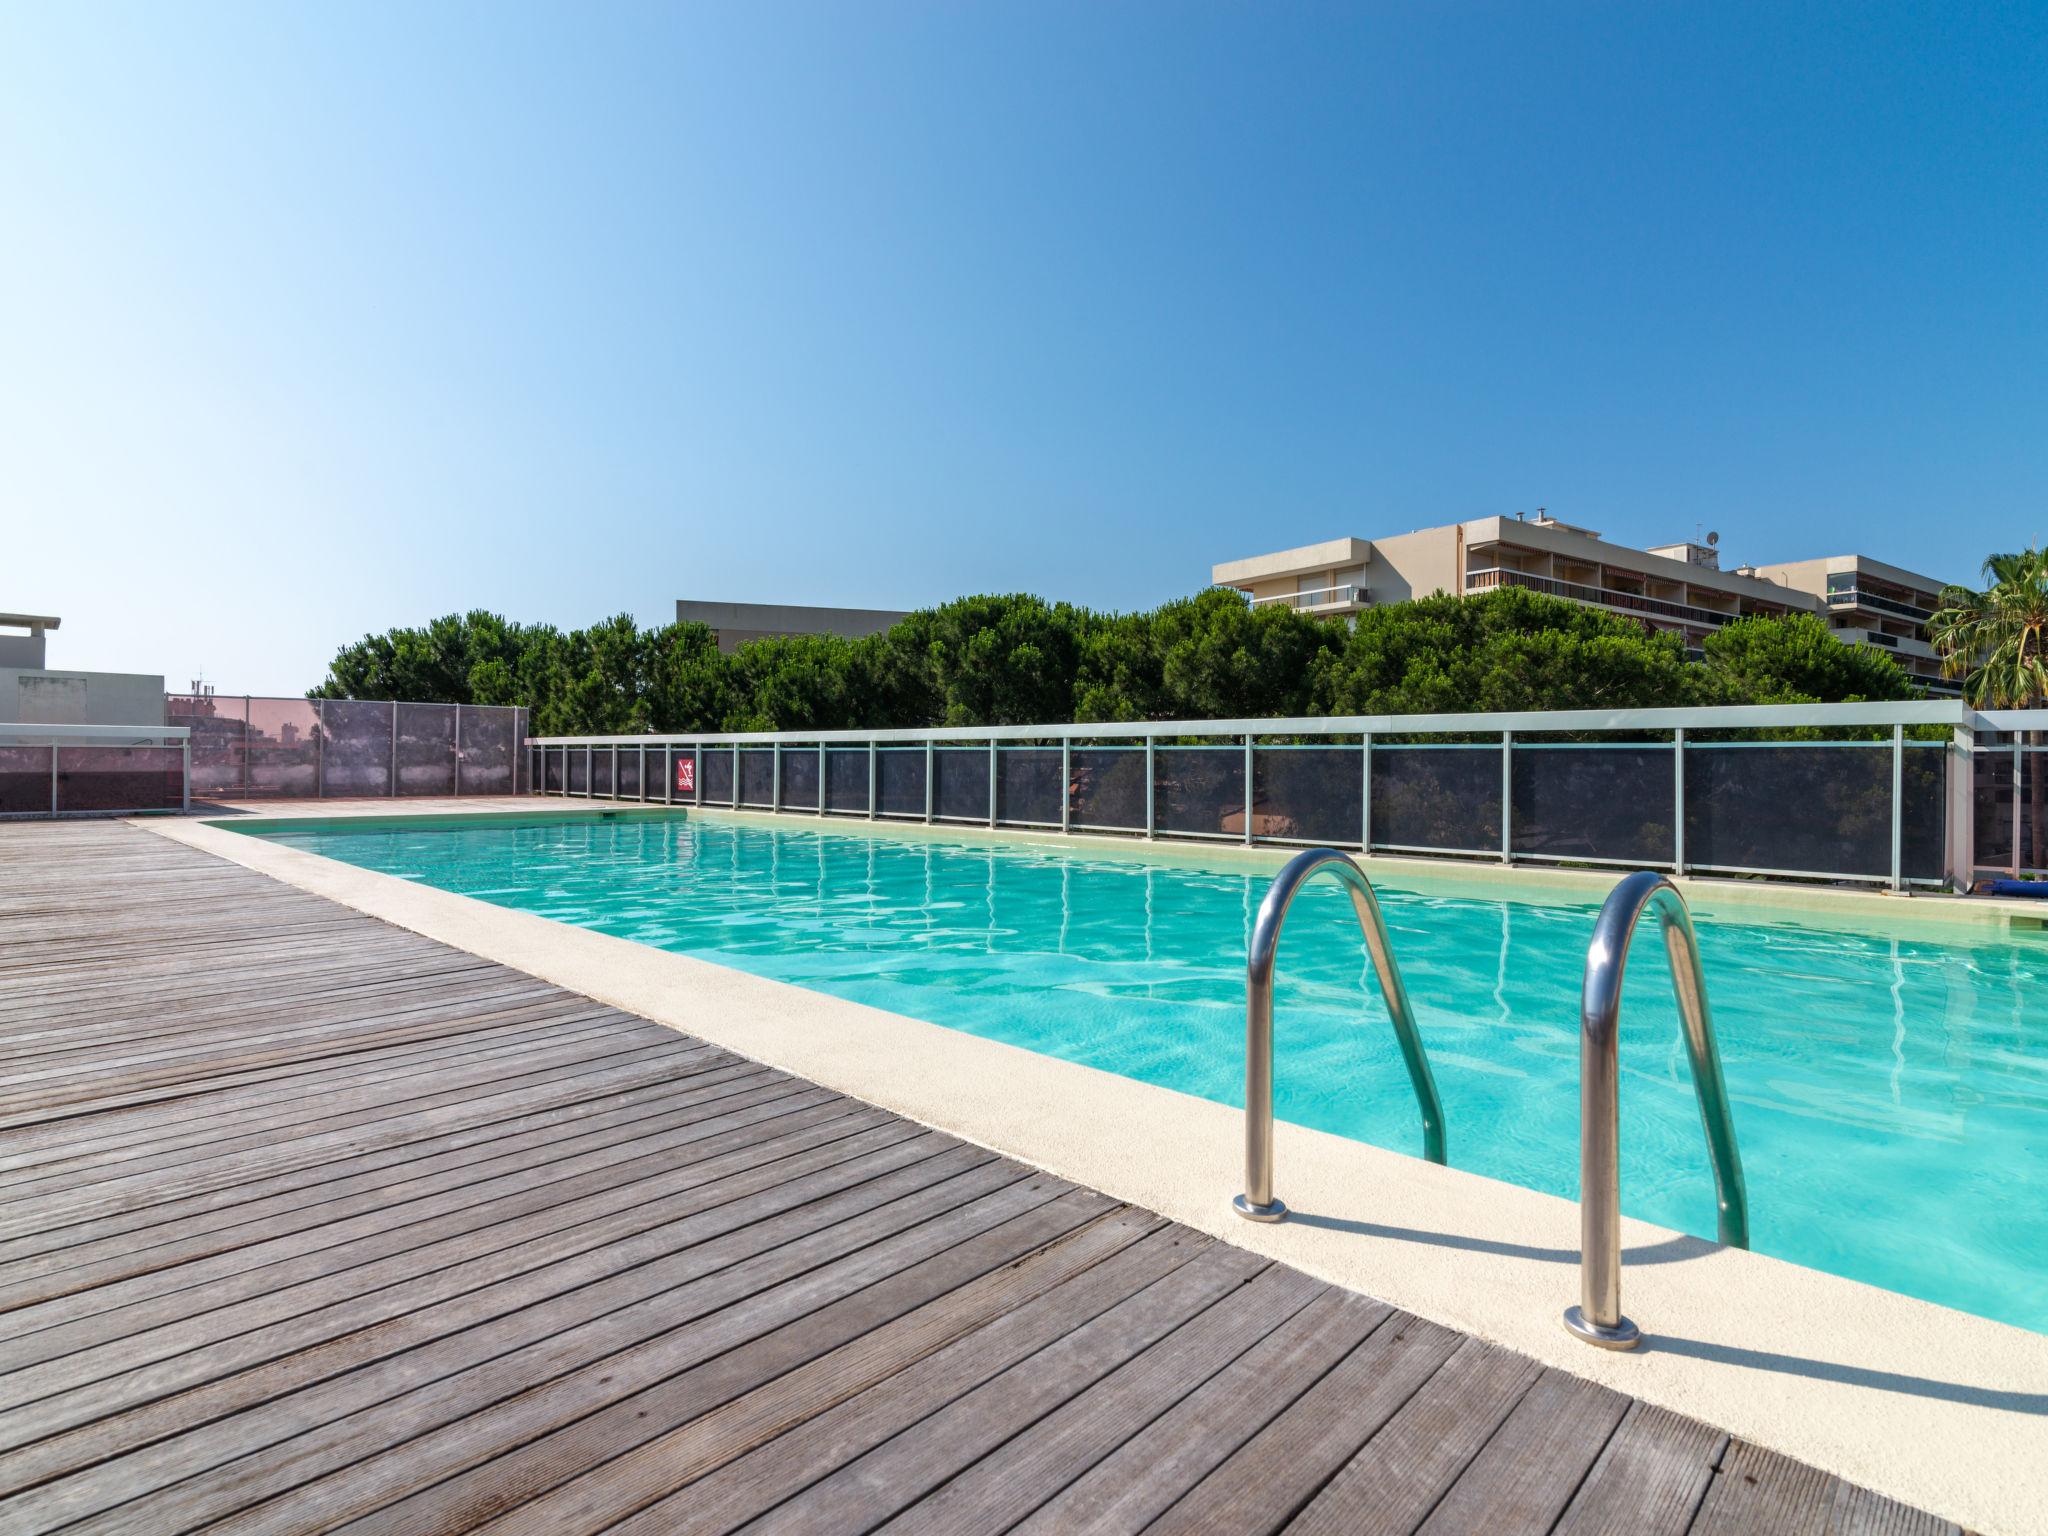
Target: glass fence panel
[(1028, 787), (1308, 794), (846, 779), (1109, 788), (714, 772), (25, 780), (490, 750), (357, 759), (800, 778), (1804, 808), (960, 783), (1923, 812), (1991, 808), (426, 749), (219, 727), (1595, 803), (1436, 797), (1198, 790), (899, 772), (629, 773), (281, 747), (757, 776), (118, 779)]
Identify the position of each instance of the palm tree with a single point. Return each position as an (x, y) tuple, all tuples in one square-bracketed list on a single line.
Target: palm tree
[(1996, 640)]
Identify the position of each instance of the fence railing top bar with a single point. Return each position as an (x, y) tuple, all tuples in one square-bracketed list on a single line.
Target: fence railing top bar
[(2012, 719), (14, 730), (1936, 712)]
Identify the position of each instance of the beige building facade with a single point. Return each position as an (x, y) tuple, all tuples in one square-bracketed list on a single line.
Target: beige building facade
[(1675, 587)]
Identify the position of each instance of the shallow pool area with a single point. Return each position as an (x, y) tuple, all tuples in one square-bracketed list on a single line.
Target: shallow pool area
[(1891, 1095)]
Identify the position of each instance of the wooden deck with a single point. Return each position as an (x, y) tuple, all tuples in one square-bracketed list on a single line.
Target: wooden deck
[(311, 1223)]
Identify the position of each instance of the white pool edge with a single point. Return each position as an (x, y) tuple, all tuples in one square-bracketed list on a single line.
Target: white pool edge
[(1926, 1404)]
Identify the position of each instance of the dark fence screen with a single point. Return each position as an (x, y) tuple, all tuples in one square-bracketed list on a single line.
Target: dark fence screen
[(492, 750), (757, 776), (1199, 791), (281, 743), (800, 778), (629, 773), (714, 775), (1444, 798), (960, 783), (579, 771), (1028, 786), (1109, 788), (846, 779), (357, 759), (24, 780), (900, 775), (1806, 808), (1595, 803), (551, 768), (118, 779), (426, 749), (1308, 794), (602, 761), (2003, 796)]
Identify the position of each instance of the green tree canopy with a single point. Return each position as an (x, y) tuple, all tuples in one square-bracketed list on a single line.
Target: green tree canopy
[(1020, 660)]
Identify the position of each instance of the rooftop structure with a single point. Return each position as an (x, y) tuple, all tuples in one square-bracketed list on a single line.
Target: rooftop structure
[(734, 624), (24, 650), (1677, 587)]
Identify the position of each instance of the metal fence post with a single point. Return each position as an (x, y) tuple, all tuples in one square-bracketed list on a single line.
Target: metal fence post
[(1066, 785), (1151, 783), (393, 795), (246, 712), (1365, 794), (458, 752), (1898, 807), (185, 798), (874, 789), (1678, 801), (2019, 765), (1247, 791), (927, 781), (53, 780), (775, 778), (319, 752), (991, 783), (1507, 797)]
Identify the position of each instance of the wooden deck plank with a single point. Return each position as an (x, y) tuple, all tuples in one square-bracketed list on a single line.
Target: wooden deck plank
[(1401, 1473), (1649, 1479), (307, 1222), (1533, 1464)]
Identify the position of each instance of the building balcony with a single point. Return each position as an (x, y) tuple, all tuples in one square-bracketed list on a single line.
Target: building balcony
[(1598, 597), (1855, 598), (1322, 600)]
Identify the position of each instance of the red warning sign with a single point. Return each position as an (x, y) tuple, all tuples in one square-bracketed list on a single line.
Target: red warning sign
[(686, 775)]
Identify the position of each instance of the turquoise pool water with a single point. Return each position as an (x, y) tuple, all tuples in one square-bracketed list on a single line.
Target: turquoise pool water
[(1891, 1095)]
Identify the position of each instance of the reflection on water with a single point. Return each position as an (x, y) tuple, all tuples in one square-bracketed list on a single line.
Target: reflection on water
[(1891, 1095)]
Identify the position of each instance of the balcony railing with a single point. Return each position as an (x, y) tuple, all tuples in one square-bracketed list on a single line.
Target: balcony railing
[(1855, 598), (1322, 597), (1493, 577)]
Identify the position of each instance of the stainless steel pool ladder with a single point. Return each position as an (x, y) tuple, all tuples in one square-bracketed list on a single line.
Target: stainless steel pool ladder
[(1257, 1202), (1597, 1318)]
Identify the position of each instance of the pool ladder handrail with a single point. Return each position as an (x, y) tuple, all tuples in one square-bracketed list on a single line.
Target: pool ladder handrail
[(1257, 1202), (1598, 1318)]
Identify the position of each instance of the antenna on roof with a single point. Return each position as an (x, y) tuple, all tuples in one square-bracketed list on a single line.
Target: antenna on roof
[(1713, 539)]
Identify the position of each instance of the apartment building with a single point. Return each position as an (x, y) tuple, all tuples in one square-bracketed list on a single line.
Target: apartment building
[(1677, 587)]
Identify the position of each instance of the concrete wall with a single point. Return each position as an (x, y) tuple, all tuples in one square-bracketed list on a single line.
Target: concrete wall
[(1418, 564), (38, 697), (22, 650)]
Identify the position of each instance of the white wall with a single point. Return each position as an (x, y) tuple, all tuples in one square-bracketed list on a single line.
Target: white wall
[(38, 697)]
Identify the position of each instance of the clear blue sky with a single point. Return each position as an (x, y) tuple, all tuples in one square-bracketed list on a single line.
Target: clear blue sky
[(315, 320)]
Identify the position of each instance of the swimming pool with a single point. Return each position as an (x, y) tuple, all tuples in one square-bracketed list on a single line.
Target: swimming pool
[(1891, 1094)]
